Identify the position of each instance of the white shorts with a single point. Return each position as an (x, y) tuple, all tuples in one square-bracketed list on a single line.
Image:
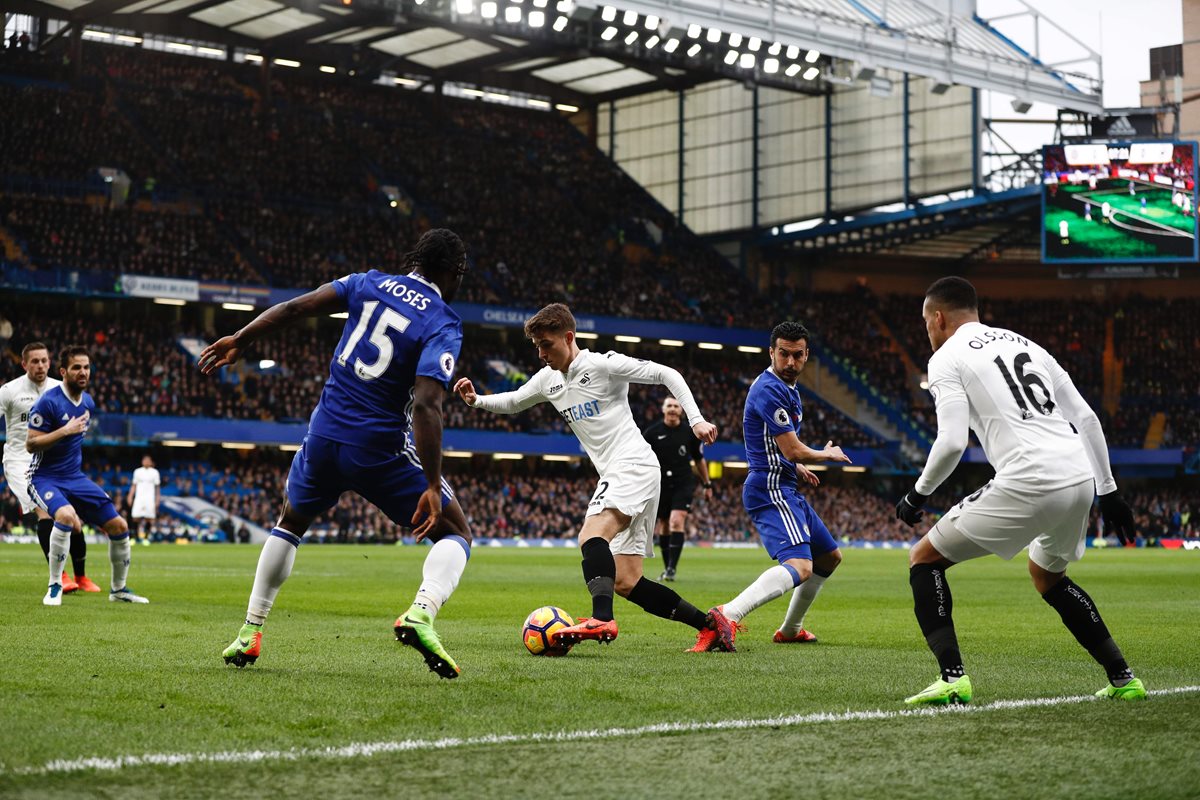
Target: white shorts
[(632, 489), (17, 475), (1002, 519), (143, 509)]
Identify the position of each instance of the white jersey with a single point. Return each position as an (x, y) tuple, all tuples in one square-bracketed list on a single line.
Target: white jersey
[(145, 480), (16, 398), (593, 399), (1009, 383)]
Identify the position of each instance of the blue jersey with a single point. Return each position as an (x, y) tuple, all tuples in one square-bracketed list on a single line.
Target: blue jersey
[(772, 408), (51, 411), (398, 328)]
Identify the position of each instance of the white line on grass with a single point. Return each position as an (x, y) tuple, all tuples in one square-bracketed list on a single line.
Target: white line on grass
[(367, 749)]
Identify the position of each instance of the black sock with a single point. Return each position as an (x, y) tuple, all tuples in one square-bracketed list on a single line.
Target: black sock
[(600, 573), (664, 549), (932, 604), (44, 527), (78, 555), (1082, 619), (662, 601), (676, 548)]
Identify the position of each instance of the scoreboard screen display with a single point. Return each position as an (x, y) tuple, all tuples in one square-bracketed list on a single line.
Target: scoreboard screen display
[(1125, 203)]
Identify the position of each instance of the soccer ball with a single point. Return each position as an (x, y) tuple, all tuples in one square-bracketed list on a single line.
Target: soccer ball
[(538, 628)]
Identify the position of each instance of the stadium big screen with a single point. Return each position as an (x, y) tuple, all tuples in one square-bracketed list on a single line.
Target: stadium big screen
[(1119, 203)]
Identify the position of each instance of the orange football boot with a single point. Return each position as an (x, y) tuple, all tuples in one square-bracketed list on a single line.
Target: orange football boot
[(86, 584), (584, 630)]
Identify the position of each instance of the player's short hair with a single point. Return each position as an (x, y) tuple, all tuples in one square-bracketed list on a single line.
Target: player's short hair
[(69, 352), (554, 318), (953, 293), (29, 348), (439, 251), (789, 331)]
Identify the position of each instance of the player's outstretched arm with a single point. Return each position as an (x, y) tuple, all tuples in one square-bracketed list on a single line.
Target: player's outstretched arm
[(228, 349), (427, 438), (526, 396)]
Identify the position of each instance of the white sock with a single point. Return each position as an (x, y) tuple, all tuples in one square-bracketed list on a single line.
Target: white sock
[(60, 545), (802, 599), (274, 567), (443, 567), (775, 582), (118, 556)]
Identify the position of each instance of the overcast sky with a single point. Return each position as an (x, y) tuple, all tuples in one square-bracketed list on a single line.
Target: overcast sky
[(1122, 31)]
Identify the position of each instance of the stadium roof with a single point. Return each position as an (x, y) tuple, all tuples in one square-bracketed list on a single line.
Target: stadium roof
[(586, 52)]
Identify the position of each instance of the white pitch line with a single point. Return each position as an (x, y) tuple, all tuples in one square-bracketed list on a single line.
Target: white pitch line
[(368, 749)]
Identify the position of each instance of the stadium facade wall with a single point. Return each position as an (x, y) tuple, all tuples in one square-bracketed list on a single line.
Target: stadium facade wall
[(695, 151)]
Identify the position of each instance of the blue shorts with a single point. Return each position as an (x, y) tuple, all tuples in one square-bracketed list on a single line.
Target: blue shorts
[(322, 469), (90, 502), (787, 524)]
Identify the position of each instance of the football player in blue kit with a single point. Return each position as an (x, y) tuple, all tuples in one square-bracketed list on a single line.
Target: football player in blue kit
[(790, 530), (58, 421), (376, 431)]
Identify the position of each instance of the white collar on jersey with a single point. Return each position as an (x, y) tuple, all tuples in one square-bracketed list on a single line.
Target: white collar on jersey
[(416, 276), (577, 364), (777, 375)]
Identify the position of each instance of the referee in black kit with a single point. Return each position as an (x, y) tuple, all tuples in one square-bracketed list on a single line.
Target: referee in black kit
[(681, 457)]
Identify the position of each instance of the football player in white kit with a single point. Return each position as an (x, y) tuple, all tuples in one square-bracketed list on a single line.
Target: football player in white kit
[(1051, 460), (591, 393), (144, 496), (16, 398)]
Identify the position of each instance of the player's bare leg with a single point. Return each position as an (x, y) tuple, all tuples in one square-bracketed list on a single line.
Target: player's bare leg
[(1082, 618), (117, 531)]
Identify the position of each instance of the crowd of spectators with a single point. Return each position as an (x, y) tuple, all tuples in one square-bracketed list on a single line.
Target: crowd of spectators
[(65, 134), (73, 234), (306, 246)]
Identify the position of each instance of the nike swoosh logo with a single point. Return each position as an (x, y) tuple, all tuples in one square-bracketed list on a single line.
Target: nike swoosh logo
[(243, 642)]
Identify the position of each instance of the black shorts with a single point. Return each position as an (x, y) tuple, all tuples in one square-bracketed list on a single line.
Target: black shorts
[(676, 496)]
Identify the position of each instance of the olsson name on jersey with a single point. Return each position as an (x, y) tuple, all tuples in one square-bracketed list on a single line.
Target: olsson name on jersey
[(580, 412), (404, 294), (982, 340)]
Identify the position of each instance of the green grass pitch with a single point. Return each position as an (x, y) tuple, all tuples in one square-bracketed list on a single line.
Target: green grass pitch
[(1094, 239), (95, 679)]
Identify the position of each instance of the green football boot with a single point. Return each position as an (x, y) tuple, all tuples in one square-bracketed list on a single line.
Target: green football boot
[(246, 648), (941, 693), (415, 629), (1134, 690)]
